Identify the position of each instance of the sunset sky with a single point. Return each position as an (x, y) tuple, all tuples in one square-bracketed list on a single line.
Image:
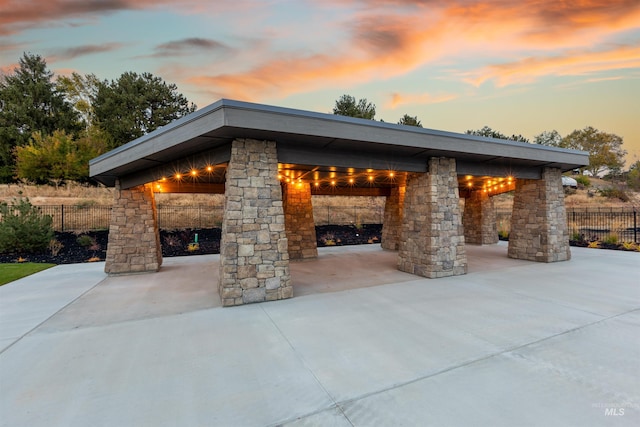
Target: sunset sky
[(517, 66)]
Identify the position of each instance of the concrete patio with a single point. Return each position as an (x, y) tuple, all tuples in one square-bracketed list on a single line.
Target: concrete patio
[(511, 343)]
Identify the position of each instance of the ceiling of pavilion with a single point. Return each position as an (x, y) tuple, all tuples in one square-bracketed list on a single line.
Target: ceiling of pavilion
[(326, 150)]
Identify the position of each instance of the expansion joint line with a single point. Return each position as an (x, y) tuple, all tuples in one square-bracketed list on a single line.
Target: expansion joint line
[(334, 404)]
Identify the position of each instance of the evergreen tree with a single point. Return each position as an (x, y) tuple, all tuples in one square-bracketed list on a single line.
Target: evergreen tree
[(408, 120), (134, 105), (346, 105), (30, 102), (486, 131)]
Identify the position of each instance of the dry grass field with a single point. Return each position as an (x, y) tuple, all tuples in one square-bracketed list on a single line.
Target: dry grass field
[(74, 194)]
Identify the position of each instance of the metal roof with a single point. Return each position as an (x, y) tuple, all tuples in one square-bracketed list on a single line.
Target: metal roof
[(317, 141)]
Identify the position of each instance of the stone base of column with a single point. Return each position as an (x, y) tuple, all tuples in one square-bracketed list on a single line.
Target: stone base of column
[(301, 229), (134, 238), (479, 219), (539, 229), (432, 242), (392, 223), (254, 259)]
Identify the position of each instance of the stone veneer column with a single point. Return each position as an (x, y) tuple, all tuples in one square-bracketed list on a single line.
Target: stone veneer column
[(480, 219), (392, 223), (538, 221), (254, 262), (432, 242), (134, 238), (298, 219)]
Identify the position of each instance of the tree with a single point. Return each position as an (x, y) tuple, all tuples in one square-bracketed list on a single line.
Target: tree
[(549, 138), (408, 120), (80, 92), (134, 105), (633, 177), (30, 102), (346, 105), (59, 157), (605, 149), (490, 133)]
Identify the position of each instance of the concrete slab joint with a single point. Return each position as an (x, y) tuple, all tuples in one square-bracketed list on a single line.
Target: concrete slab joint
[(254, 258), (539, 229), (134, 237), (432, 239)]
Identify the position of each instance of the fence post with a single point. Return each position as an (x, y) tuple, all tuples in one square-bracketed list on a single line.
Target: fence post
[(62, 217), (635, 225)]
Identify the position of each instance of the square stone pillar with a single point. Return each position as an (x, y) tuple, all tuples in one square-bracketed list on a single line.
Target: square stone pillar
[(480, 219), (134, 238), (539, 229), (254, 262), (392, 223), (298, 219), (432, 240)]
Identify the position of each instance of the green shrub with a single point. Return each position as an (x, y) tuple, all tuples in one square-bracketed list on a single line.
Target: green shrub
[(614, 193), (23, 228), (583, 180), (611, 239), (85, 241)]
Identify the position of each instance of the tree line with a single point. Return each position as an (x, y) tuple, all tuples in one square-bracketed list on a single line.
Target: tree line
[(51, 126), (605, 149)]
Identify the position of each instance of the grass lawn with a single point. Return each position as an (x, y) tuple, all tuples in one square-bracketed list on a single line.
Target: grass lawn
[(11, 272)]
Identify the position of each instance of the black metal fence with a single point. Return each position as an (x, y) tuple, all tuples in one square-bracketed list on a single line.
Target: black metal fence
[(590, 223), (595, 223)]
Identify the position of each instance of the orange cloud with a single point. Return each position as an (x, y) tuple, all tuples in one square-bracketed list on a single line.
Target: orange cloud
[(389, 38), (399, 99), (571, 63)]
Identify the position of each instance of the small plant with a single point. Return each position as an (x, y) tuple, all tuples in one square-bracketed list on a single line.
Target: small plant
[(583, 180), (193, 246), (503, 234), (23, 228), (594, 245), (328, 239), (576, 236), (630, 246), (172, 240), (611, 239), (21, 260), (85, 241), (94, 259), (55, 246)]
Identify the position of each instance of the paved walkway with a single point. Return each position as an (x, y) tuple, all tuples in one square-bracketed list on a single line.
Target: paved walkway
[(511, 343)]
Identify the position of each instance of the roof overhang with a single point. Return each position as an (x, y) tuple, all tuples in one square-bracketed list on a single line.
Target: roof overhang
[(308, 140)]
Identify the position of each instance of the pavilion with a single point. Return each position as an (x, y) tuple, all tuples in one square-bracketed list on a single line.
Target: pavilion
[(268, 162)]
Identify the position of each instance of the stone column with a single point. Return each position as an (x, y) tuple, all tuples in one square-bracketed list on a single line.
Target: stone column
[(298, 215), (392, 223), (432, 242), (254, 262), (480, 219), (134, 238), (538, 221)]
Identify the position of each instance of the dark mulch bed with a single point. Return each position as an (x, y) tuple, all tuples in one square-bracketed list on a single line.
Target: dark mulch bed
[(177, 243)]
